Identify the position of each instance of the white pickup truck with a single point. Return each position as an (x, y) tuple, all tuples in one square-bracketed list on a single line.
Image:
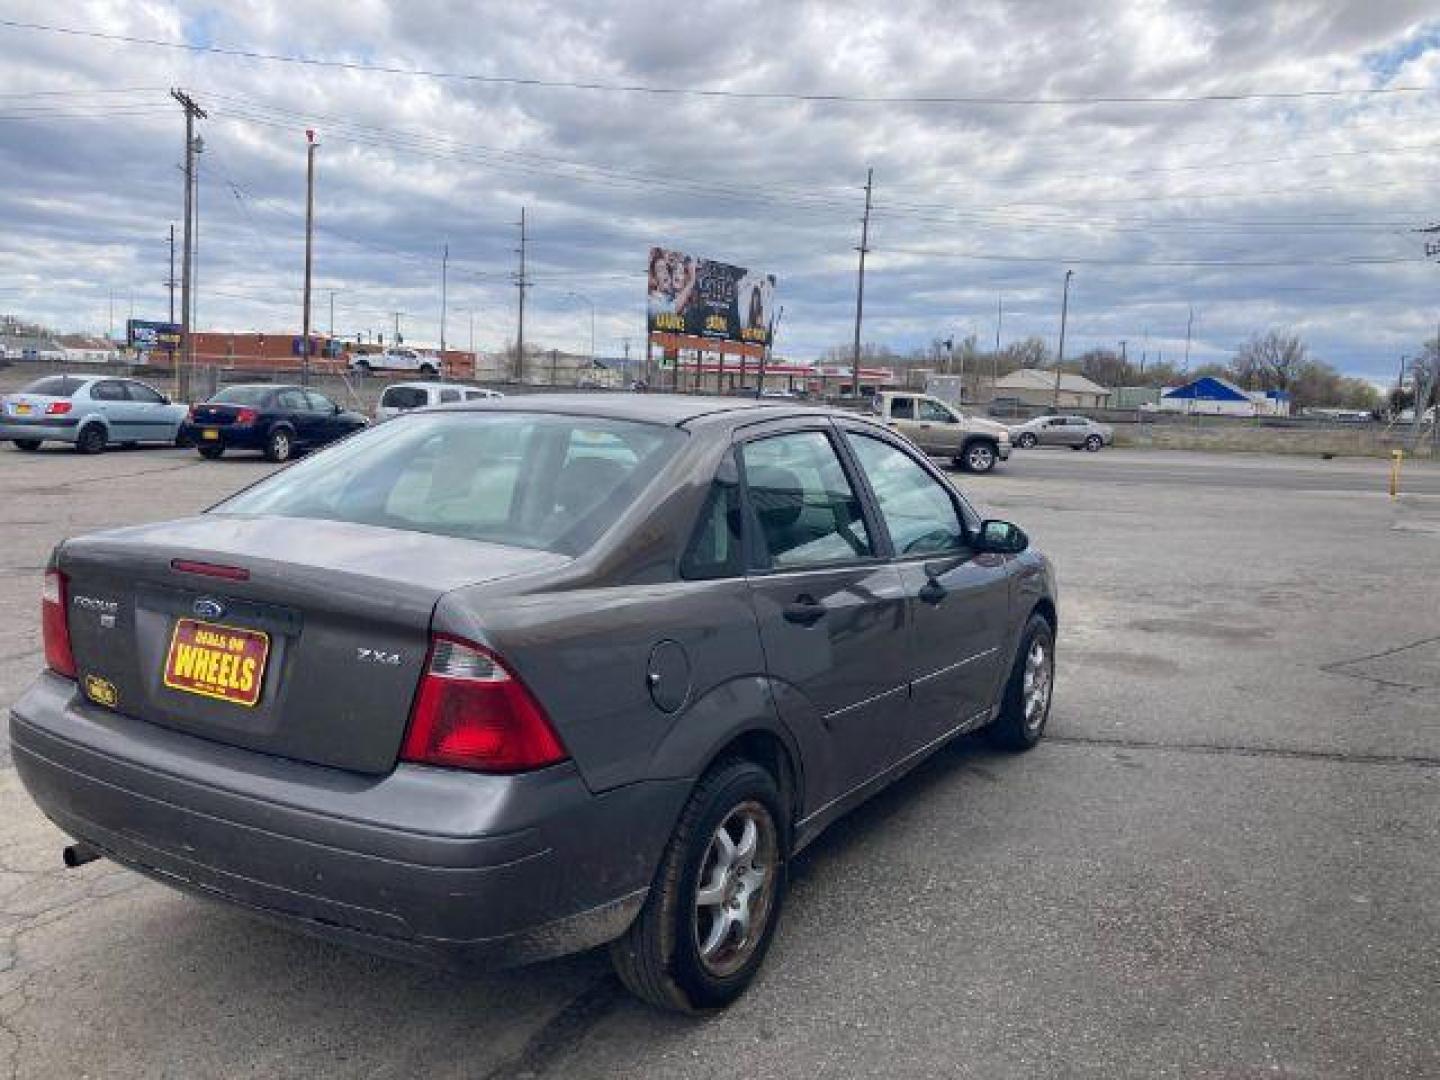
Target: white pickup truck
[(397, 359), (972, 442)]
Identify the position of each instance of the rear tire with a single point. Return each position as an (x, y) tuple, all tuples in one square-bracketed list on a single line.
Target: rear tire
[(1026, 705), (211, 453), (91, 439), (28, 445), (279, 445), (1093, 443), (978, 457), (1026, 441), (730, 899)]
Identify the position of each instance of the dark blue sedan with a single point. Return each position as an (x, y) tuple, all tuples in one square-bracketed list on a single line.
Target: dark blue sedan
[(276, 420)]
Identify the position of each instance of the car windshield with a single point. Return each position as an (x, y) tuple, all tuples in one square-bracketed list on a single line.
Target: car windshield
[(241, 395), (554, 483), (61, 386)]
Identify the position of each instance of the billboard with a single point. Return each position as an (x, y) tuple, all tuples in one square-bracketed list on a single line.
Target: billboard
[(150, 336), (708, 299)]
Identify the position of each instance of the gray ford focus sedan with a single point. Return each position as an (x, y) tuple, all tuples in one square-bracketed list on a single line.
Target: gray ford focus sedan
[(505, 680)]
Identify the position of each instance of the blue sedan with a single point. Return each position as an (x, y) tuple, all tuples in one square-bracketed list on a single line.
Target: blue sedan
[(89, 411), (276, 420)]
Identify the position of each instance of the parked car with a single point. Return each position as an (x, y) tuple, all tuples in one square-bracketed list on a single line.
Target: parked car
[(402, 397), (402, 359), (941, 430), (1076, 432), (90, 411), (498, 682), (276, 420)]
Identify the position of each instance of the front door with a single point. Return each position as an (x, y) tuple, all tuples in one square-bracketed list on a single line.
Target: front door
[(959, 601), (113, 402), (940, 429), (831, 610)]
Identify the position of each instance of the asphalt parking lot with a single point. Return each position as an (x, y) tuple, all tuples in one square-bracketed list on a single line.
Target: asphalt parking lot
[(1222, 863)]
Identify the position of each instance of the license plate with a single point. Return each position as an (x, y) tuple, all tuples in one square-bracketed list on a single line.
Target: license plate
[(210, 433), (22, 410), (222, 662)]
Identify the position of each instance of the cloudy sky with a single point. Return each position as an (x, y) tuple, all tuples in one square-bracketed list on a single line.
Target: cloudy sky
[(1031, 156)]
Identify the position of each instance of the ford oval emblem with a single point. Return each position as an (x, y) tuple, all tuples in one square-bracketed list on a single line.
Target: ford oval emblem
[(207, 608)]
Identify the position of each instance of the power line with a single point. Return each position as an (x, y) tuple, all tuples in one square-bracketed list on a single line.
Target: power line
[(674, 91)]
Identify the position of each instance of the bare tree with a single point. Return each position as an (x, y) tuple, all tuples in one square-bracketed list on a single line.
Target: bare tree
[(1270, 361)]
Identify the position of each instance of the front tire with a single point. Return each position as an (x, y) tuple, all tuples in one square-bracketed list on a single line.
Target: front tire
[(978, 457), (279, 445), (716, 898), (28, 445), (1026, 441), (1025, 708), (91, 439)]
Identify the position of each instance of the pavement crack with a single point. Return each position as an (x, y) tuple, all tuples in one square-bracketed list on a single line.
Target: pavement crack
[(562, 1033), (1424, 761)]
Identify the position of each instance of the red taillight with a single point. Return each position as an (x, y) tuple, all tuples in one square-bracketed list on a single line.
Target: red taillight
[(55, 624), (246, 416), (57, 408), (472, 713)]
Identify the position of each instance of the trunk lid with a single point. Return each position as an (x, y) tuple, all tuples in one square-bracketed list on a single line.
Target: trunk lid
[(343, 611), (215, 415)]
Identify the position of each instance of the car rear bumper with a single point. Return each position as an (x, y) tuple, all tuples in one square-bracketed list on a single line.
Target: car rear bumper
[(248, 437), (49, 428), (460, 868)]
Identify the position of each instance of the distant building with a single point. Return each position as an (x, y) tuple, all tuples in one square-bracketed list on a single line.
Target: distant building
[(83, 349), (1135, 397), (1035, 386), (1210, 395)]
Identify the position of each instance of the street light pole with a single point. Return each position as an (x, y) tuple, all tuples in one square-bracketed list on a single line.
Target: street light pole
[(1064, 315), (309, 233)]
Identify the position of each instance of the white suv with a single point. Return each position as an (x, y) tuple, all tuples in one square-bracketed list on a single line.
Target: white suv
[(402, 397)]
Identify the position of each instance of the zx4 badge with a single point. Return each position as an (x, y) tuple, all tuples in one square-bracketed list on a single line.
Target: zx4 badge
[(377, 656)]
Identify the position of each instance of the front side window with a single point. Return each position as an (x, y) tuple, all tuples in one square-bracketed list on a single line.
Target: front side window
[(544, 481), (918, 511), (934, 413), (291, 399), (807, 511), (142, 393), (319, 402)]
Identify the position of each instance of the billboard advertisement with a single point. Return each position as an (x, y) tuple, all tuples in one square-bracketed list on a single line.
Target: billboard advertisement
[(150, 336), (708, 299)]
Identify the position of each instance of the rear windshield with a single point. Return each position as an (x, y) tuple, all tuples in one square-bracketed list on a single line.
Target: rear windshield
[(241, 395), (403, 397), (54, 386), (555, 483)]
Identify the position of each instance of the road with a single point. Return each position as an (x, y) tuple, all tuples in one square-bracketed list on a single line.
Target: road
[(1222, 863)]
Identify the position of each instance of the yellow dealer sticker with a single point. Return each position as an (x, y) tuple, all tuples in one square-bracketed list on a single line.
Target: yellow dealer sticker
[(101, 691), (222, 662)]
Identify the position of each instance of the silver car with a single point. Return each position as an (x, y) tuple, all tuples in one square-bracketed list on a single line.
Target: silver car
[(402, 397), (89, 411), (1076, 432), (501, 680)]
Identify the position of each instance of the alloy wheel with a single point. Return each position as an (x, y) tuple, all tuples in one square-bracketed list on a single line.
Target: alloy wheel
[(1036, 683), (735, 890), (980, 458)]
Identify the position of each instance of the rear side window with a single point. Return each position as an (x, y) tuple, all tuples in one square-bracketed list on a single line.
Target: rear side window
[(716, 548), (902, 408), (449, 395), (252, 396), (403, 397), (53, 386), (109, 390), (807, 511)]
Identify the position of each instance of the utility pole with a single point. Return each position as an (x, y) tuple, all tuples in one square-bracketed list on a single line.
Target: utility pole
[(110, 328), (309, 232), (332, 314), (396, 339), (1123, 358), (444, 283), (995, 356), (1060, 355), (769, 345), (187, 347), (860, 282), (1189, 325), (171, 282), (521, 284)]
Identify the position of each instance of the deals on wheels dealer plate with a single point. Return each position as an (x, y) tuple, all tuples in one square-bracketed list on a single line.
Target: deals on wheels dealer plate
[(222, 662)]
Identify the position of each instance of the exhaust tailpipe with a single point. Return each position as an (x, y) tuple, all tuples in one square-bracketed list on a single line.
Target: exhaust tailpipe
[(78, 854)]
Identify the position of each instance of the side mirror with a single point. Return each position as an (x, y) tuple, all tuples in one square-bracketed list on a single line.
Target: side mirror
[(1001, 538), (335, 410)]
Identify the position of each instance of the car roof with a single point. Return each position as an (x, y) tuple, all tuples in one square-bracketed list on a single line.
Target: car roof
[(431, 384), (678, 410)]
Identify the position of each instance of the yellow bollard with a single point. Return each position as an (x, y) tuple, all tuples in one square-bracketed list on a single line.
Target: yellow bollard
[(1396, 456)]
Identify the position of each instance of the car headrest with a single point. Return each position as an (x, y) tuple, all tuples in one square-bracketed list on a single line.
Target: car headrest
[(585, 482), (776, 494)]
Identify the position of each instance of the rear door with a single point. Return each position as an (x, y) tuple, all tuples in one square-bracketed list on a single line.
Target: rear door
[(830, 607), (959, 601), (111, 400)]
